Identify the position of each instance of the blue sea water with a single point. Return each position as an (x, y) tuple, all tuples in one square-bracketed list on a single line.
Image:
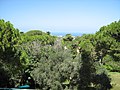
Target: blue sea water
[(64, 33)]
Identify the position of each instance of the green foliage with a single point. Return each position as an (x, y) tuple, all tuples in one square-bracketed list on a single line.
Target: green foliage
[(9, 58), (108, 44), (87, 70), (36, 35), (34, 32), (90, 67), (9, 40), (58, 63), (4, 76), (68, 37), (55, 66)]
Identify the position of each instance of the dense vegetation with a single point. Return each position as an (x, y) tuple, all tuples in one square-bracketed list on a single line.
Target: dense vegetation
[(49, 62)]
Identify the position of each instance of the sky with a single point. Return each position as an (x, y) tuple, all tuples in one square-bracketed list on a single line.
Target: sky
[(70, 16)]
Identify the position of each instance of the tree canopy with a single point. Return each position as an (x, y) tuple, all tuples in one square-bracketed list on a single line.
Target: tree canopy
[(48, 62)]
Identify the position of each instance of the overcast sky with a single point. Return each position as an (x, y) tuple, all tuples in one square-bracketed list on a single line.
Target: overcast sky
[(83, 16)]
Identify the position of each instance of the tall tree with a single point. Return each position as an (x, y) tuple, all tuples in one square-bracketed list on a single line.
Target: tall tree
[(9, 56)]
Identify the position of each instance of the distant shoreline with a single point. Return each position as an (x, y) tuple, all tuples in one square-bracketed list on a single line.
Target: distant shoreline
[(64, 33)]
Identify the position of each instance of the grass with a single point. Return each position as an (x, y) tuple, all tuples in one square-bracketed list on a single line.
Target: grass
[(115, 76)]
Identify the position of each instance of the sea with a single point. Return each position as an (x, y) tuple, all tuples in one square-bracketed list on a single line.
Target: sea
[(61, 34)]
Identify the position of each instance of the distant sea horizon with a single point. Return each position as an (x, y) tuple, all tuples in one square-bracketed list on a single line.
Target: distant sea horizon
[(64, 33)]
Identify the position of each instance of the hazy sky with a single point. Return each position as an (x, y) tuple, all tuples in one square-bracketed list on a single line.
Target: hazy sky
[(83, 16)]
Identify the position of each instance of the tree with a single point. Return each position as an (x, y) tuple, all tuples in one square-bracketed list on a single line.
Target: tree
[(68, 37), (107, 43), (90, 69), (10, 57), (9, 40)]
